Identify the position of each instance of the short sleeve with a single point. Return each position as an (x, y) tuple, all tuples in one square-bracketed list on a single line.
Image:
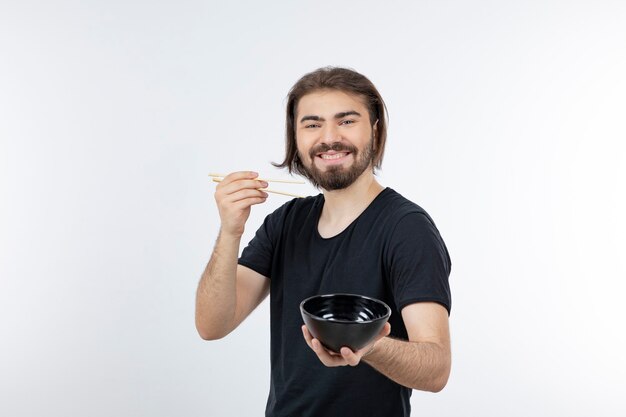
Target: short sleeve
[(419, 263), (258, 255)]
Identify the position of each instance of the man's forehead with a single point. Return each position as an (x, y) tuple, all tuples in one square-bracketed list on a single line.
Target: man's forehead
[(319, 100)]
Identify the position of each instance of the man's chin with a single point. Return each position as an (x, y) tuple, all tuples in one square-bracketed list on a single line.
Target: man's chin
[(334, 181), (322, 168), (334, 177)]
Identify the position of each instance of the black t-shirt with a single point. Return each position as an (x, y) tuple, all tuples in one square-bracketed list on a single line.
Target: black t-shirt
[(392, 252)]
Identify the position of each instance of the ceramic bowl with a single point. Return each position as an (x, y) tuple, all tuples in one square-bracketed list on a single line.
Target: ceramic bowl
[(338, 320)]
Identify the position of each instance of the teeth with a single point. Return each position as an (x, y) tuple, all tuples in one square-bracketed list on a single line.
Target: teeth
[(334, 156)]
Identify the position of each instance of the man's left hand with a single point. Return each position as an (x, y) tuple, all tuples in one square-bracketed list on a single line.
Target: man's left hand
[(347, 356)]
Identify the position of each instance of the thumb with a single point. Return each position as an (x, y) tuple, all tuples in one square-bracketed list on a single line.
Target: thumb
[(386, 330)]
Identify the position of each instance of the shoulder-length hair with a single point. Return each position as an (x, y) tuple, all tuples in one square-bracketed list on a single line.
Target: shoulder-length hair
[(340, 79)]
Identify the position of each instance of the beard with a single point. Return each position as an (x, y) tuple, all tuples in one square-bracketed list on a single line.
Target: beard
[(337, 177)]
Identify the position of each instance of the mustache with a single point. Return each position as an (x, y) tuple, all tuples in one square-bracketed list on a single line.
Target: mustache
[(335, 146)]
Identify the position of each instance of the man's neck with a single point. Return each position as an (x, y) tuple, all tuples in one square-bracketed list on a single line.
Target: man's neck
[(346, 204)]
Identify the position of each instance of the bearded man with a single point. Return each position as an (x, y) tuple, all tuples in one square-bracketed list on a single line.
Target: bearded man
[(355, 237)]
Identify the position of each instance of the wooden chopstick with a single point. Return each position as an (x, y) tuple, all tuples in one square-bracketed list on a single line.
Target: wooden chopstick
[(263, 179), (215, 179)]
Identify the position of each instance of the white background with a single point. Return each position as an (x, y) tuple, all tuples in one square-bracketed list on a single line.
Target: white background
[(507, 124)]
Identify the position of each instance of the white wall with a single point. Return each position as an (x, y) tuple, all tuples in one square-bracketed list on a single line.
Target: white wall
[(506, 124)]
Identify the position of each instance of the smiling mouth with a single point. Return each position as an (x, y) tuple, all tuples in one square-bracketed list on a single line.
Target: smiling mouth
[(331, 156)]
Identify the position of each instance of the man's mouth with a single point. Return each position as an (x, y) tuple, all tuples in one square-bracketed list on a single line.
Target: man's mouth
[(335, 154), (332, 155)]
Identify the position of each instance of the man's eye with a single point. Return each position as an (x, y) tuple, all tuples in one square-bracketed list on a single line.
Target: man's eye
[(311, 125), (347, 122)]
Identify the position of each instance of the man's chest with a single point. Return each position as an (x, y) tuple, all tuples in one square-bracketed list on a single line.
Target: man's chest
[(343, 264)]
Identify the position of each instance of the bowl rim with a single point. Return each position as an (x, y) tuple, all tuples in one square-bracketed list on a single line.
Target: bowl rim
[(315, 317)]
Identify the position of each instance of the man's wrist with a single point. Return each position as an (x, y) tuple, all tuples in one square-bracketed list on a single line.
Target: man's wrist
[(229, 236), (371, 349), (366, 354)]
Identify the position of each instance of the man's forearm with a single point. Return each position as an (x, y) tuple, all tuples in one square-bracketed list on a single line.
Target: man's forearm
[(216, 294), (419, 365)]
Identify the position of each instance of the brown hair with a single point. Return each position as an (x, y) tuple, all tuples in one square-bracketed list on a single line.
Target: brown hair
[(340, 79)]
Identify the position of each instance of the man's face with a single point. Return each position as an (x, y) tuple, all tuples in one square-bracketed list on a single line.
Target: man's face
[(334, 137)]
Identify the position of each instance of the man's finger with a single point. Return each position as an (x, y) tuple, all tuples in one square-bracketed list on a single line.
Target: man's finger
[(237, 186), (325, 357), (239, 175), (244, 194), (350, 357), (384, 331), (307, 337)]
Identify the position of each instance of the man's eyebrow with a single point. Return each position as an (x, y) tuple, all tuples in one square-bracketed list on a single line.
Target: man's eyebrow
[(337, 116), (347, 113), (309, 117)]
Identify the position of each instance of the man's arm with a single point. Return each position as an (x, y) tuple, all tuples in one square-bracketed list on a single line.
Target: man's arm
[(228, 292), (423, 362)]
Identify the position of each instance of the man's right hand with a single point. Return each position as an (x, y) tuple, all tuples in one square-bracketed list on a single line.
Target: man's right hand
[(234, 195)]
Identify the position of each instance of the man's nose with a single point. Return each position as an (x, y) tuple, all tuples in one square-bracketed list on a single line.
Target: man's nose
[(330, 134)]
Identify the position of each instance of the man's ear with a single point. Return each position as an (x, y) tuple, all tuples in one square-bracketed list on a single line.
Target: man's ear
[(374, 132)]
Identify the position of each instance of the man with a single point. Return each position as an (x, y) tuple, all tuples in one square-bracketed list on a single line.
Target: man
[(356, 237)]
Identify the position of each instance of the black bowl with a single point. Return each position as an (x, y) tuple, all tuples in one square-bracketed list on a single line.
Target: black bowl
[(338, 320)]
